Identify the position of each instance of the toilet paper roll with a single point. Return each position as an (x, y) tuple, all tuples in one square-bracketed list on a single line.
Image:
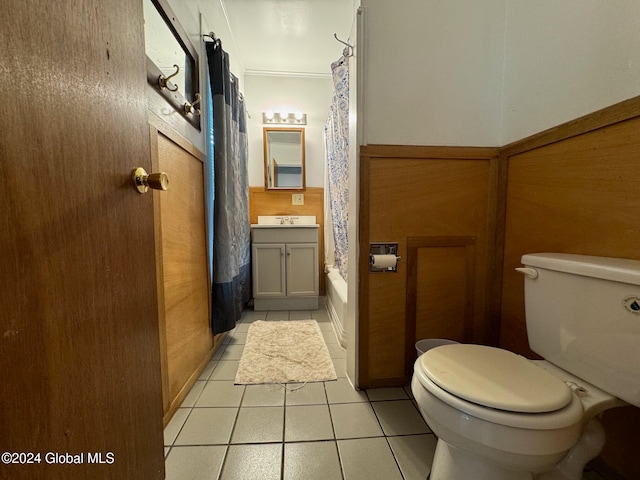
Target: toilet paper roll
[(384, 261)]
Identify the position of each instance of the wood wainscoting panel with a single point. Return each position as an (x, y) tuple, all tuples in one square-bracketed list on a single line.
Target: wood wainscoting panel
[(579, 195), (420, 192), (440, 291), (188, 341), (274, 202), (574, 189)]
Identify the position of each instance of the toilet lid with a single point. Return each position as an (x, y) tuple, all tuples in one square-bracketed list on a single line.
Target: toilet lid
[(494, 378)]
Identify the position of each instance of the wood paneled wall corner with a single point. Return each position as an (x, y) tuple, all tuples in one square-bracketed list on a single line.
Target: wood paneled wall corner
[(495, 236)]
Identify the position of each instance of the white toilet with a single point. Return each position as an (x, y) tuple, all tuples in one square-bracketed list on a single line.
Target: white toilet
[(499, 416)]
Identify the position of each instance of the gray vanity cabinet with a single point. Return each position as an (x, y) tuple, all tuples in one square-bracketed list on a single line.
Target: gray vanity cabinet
[(285, 267)]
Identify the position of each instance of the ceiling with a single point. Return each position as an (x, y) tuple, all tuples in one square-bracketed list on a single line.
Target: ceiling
[(288, 36)]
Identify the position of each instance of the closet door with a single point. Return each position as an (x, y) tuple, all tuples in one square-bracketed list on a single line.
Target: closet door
[(183, 279), (80, 358)]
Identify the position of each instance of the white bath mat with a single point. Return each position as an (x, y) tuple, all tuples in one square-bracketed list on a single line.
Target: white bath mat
[(285, 352)]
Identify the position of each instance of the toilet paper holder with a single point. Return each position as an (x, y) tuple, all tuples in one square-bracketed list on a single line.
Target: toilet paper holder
[(388, 248)]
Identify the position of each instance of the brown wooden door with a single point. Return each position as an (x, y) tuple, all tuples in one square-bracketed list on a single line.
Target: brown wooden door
[(79, 343)]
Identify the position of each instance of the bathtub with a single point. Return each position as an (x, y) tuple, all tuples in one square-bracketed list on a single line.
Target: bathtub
[(337, 303)]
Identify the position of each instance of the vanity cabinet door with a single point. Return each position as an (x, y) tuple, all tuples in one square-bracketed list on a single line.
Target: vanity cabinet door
[(302, 269), (269, 270)]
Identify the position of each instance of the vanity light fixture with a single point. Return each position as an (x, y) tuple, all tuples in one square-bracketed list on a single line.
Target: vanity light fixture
[(283, 118)]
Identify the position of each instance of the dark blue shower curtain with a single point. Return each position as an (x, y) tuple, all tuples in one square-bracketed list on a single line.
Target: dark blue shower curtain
[(227, 195)]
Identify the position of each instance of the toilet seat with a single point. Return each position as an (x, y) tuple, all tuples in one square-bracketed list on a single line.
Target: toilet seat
[(495, 378), (569, 414)]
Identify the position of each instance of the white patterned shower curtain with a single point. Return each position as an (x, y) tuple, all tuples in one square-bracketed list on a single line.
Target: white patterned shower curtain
[(337, 151)]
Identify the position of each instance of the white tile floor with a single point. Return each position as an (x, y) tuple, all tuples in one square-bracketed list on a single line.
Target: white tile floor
[(324, 431)]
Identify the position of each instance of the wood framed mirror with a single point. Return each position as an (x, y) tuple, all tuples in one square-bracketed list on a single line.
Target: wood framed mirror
[(284, 162)]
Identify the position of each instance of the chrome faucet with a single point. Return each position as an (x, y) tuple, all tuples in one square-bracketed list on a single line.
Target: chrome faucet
[(286, 220)]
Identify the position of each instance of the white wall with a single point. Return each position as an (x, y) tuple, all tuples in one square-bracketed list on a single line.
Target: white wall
[(565, 59), (277, 93), (214, 19), (487, 73), (433, 72), (461, 72)]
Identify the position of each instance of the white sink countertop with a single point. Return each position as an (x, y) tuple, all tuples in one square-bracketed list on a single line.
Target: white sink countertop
[(287, 221), (257, 225)]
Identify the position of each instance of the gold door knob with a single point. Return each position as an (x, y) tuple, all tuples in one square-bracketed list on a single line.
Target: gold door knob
[(143, 181)]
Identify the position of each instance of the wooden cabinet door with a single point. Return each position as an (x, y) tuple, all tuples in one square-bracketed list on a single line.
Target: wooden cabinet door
[(79, 351), (182, 271)]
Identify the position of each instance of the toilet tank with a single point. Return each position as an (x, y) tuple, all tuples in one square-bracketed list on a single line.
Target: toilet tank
[(583, 315)]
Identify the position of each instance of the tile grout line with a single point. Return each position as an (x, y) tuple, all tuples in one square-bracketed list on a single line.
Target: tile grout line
[(395, 458), (284, 427), (333, 429), (321, 440), (233, 427), (173, 442)]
